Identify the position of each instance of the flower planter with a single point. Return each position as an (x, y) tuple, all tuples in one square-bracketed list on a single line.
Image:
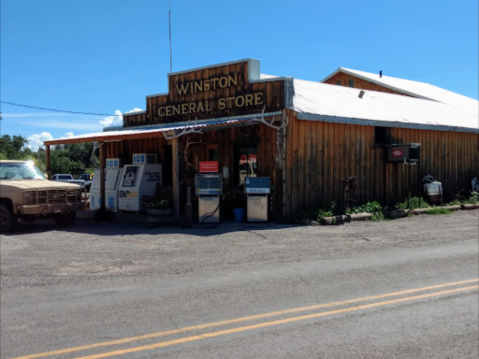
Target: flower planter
[(159, 216), (159, 212)]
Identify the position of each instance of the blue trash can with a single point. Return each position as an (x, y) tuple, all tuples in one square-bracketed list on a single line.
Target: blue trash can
[(239, 215)]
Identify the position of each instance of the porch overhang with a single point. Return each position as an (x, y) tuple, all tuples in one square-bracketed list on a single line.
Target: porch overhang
[(150, 131)]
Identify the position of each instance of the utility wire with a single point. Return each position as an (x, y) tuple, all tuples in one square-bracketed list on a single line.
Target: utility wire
[(52, 109)]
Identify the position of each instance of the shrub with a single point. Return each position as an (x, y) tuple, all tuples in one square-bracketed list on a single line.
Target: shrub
[(159, 204), (370, 207), (472, 199), (414, 203)]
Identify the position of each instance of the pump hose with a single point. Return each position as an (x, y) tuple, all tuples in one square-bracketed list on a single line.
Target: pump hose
[(208, 215)]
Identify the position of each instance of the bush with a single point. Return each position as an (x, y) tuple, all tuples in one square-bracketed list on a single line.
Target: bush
[(472, 199), (414, 203), (370, 207), (159, 204)]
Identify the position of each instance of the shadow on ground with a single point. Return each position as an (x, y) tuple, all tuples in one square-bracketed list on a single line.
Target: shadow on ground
[(123, 224)]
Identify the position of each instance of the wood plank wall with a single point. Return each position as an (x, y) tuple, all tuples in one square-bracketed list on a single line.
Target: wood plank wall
[(321, 155), (360, 83)]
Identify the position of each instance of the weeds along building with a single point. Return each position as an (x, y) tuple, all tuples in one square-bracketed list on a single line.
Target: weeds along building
[(309, 137)]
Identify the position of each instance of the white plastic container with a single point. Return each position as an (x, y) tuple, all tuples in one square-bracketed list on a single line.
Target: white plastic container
[(433, 192)]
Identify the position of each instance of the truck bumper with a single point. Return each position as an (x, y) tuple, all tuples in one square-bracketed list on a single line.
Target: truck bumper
[(46, 209)]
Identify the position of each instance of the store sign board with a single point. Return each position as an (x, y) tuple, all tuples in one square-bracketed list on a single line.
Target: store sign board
[(213, 92)]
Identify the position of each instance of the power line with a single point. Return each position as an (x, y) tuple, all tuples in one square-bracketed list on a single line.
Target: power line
[(52, 109)]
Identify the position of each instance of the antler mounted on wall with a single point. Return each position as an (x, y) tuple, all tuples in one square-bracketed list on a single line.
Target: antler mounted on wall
[(187, 130), (185, 151), (284, 121)]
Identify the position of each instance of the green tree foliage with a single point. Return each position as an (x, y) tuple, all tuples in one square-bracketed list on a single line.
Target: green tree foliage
[(12, 147), (63, 161), (70, 158)]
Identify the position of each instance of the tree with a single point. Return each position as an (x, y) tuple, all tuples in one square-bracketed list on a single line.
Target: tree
[(11, 148)]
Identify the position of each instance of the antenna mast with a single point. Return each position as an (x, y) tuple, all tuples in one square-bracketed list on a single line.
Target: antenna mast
[(169, 24)]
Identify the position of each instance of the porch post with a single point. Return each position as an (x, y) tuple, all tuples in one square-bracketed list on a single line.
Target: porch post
[(102, 176), (47, 159), (176, 179)]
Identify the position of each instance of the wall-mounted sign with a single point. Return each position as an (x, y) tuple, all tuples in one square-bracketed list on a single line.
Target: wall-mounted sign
[(208, 166), (397, 153), (212, 92), (408, 152), (130, 176)]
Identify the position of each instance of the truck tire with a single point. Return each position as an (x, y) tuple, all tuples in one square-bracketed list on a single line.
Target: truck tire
[(7, 219), (65, 219)]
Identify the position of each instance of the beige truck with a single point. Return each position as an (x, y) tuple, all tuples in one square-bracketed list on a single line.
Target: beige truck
[(26, 194)]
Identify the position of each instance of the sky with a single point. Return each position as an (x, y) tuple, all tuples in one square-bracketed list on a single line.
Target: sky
[(106, 56)]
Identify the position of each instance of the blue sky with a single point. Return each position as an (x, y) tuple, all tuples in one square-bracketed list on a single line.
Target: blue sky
[(106, 56)]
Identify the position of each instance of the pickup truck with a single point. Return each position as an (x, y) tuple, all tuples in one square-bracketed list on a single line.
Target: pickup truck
[(68, 178), (26, 194), (88, 178)]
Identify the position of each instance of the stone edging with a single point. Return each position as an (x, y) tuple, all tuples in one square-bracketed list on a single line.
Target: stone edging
[(390, 214)]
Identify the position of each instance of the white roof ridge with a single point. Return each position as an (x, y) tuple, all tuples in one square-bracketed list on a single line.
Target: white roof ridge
[(316, 100), (398, 89)]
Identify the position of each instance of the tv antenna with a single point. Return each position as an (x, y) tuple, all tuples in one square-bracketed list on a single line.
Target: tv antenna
[(169, 25)]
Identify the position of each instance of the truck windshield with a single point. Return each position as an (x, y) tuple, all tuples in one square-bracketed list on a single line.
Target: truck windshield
[(20, 171)]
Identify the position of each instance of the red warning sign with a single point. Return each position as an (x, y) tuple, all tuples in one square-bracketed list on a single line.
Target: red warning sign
[(208, 166)]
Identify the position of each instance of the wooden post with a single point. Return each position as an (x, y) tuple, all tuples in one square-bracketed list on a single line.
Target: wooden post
[(47, 150), (176, 180), (102, 176)]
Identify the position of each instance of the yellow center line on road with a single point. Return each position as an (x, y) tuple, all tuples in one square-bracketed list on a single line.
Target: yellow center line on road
[(238, 320), (268, 324)]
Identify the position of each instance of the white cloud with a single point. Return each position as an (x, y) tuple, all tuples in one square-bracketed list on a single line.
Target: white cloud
[(35, 141), (116, 120), (68, 135)]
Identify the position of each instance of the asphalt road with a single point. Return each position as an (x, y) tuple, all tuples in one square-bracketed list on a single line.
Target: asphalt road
[(395, 289)]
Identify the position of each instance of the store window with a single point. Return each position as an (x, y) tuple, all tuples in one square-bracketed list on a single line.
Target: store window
[(213, 154), (246, 163), (382, 136)]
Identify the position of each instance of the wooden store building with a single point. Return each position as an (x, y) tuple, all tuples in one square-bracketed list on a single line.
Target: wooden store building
[(313, 139)]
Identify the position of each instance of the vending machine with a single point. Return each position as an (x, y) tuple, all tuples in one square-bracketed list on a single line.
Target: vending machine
[(137, 181), (95, 191), (112, 176), (257, 190), (209, 188)]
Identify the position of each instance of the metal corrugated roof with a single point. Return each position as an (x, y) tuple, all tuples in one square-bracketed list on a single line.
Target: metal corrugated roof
[(331, 103), (152, 130)]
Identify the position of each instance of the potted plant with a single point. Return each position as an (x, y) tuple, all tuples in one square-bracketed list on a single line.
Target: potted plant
[(159, 207)]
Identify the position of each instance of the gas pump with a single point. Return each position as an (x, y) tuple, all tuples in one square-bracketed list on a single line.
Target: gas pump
[(112, 175), (209, 188), (138, 180), (257, 190)]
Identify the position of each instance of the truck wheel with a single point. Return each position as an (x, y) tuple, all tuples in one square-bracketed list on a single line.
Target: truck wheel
[(7, 219), (66, 219)]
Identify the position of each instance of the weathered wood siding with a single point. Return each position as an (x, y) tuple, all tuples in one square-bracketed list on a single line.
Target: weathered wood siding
[(359, 83), (321, 155)]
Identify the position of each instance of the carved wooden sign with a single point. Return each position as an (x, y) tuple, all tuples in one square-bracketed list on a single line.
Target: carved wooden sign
[(226, 90)]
